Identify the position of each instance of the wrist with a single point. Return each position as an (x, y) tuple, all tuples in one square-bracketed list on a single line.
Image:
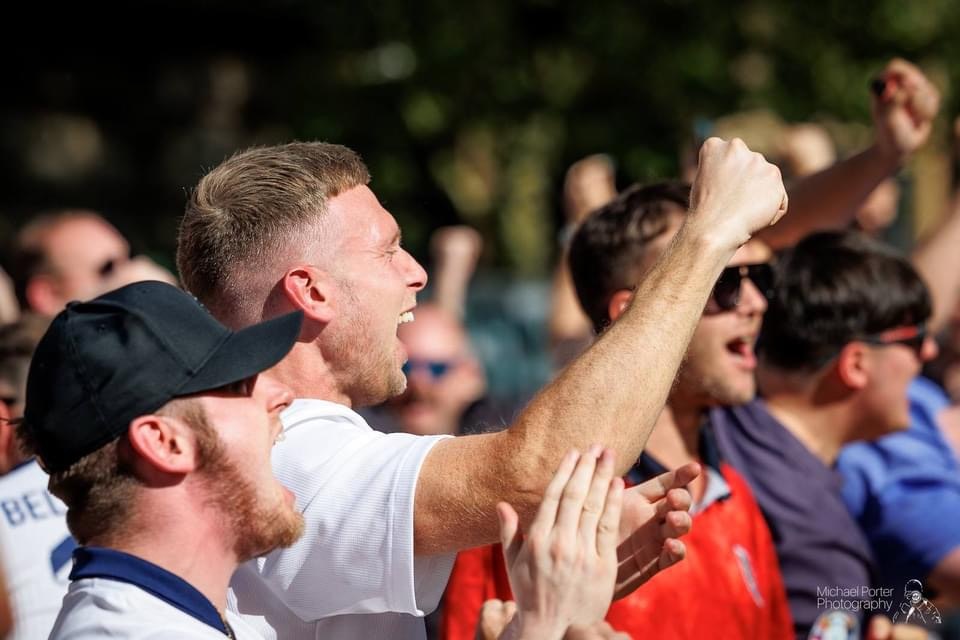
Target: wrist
[(887, 157), (534, 627), (706, 240)]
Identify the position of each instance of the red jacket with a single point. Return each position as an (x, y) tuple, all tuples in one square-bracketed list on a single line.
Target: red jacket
[(729, 586)]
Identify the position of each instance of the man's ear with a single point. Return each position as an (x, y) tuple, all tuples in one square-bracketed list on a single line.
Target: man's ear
[(618, 303), (309, 289), (853, 365), (42, 296), (163, 445)]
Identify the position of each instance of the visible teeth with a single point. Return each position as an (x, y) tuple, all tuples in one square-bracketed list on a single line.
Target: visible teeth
[(280, 438), (406, 316)]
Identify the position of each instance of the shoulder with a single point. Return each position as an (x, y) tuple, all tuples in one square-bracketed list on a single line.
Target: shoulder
[(98, 608)]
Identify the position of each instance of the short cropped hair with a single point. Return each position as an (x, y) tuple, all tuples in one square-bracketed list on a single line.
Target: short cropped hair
[(100, 488), (832, 288), (606, 250), (252, 208)]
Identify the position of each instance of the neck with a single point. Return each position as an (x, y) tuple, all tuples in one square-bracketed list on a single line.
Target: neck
[(820, 427), (675, 441), (306, 372), (186, 542)]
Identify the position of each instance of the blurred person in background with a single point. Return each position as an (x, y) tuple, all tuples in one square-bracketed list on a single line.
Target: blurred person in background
[(445, 380), (893, 484), (842, 338), (588, 184), (74, 254), (34, 540), (829, 198), (9, 307)]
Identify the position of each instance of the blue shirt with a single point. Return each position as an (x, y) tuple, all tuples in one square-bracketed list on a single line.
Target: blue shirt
[(820, 547), (904, 490)]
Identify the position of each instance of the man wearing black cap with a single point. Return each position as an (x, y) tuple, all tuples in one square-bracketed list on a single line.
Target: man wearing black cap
[(156, 428)]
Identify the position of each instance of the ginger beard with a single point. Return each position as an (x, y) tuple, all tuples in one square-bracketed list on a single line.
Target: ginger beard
[(366, 353), (260, 520)]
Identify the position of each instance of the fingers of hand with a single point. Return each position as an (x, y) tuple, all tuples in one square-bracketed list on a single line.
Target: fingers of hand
[(657, 487), (596, 505), (609, 525), (547, 513), (575, 494), (509, 532)]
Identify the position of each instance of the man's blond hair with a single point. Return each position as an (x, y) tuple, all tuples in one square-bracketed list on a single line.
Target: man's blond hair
[(254, 207)]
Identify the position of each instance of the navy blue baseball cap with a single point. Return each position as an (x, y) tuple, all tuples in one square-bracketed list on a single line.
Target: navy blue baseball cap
[(105, 362)]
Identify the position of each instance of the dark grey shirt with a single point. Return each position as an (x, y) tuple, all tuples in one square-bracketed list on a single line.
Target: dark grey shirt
[(824, 557)]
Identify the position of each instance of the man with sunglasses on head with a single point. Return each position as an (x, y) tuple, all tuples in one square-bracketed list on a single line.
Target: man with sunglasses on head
[(843, 337)]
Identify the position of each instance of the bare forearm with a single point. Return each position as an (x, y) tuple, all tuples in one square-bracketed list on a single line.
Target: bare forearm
[(612, 395), (614, 392), (830, 199), (938, 262)]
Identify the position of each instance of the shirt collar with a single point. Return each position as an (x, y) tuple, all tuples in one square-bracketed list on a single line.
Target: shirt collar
[(97, 562), (717, 488)]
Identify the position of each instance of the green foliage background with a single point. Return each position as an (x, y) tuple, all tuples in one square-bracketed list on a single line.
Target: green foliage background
[(464, 112)]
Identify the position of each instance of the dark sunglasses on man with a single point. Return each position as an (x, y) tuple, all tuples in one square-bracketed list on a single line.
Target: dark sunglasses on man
[(726, 292), (911, 336), (436, 369)]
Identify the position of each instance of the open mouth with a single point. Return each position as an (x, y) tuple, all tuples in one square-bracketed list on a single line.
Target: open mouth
[(405, 317), (742, 349)]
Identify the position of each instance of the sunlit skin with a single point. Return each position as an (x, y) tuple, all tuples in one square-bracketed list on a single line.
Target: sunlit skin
[(383, 282), (893, 368), (77, 250), (435, 404), (720, 364), (246, 417)]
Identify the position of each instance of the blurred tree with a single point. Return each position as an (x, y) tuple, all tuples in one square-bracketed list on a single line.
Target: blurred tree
[(464, 112)]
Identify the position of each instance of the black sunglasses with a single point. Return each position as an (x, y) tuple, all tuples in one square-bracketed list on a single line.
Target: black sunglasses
[(726, 292), (911, 336), (436, 368)]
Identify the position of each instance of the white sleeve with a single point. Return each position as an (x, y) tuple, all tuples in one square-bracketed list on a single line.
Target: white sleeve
[(355, 488)]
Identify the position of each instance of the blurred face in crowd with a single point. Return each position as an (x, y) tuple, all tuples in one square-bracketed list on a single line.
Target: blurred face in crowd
[(237, 472), (82, 253), (375, 292), (892, 366), (443, 376), (721, 363)]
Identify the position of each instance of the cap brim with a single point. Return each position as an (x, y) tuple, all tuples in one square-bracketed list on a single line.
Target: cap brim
[(247, 353)]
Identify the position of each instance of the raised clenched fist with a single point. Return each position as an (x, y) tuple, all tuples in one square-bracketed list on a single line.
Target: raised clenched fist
[(736, 192)]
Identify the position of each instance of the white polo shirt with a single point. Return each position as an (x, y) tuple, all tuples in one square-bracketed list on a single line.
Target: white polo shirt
[(120, 596), (36, 548), (353, 574)]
